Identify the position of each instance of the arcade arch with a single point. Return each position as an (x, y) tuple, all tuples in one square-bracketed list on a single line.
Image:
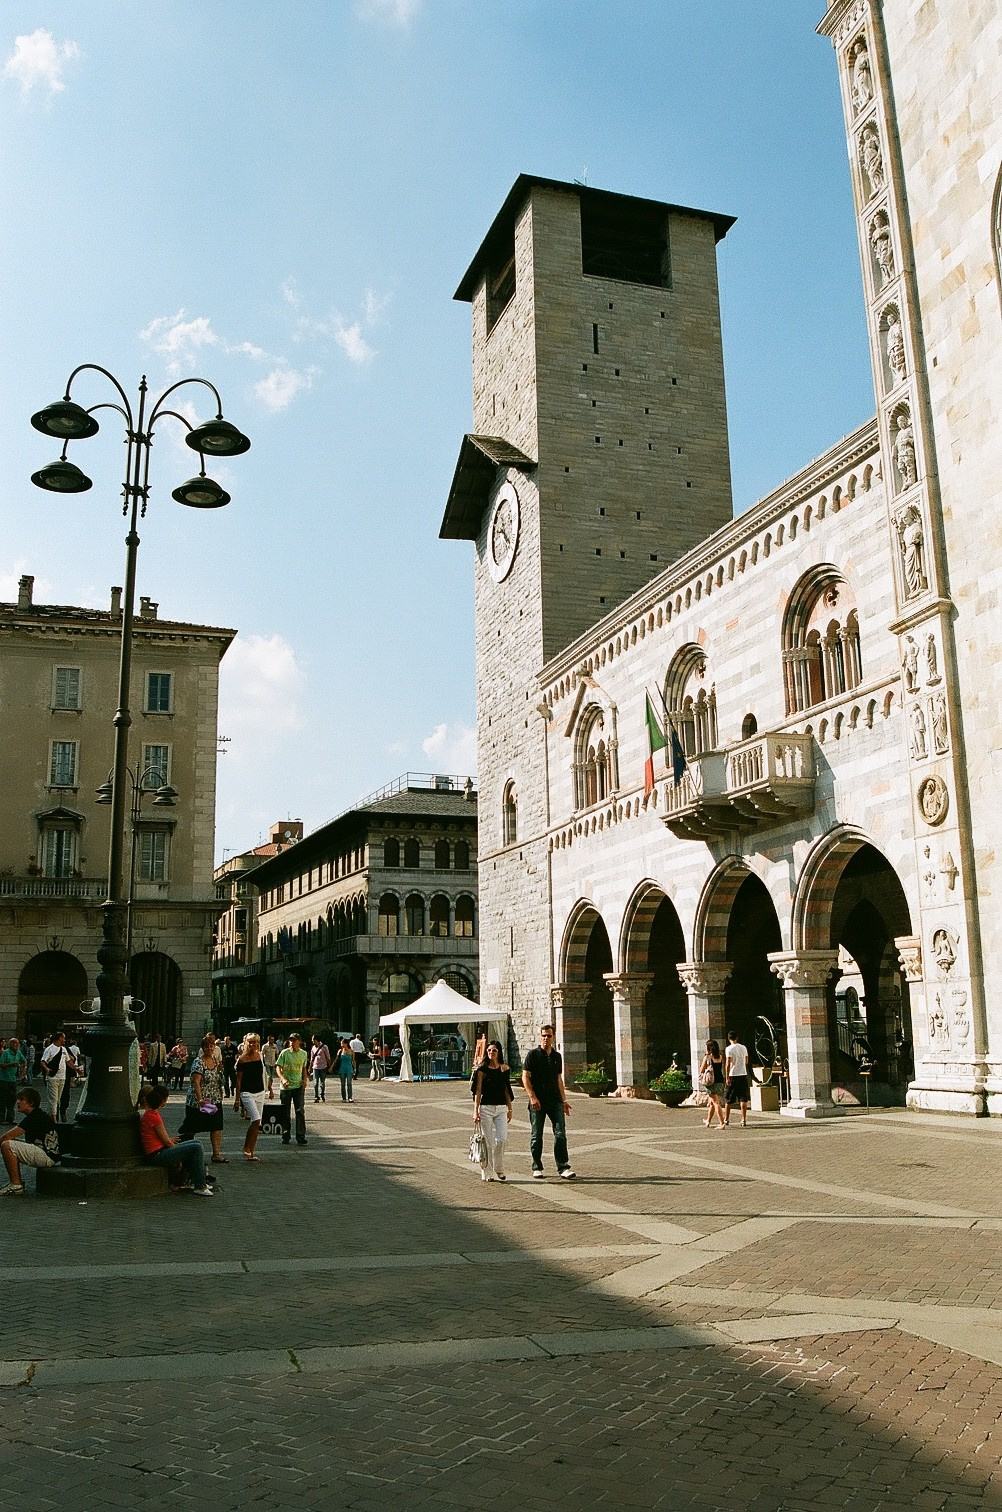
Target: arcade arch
[(51, 988), (586, 960), (654, 944)]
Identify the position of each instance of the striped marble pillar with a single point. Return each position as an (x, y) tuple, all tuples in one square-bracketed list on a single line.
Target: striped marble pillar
[(704, 981), (804, 975), (568, 1000), (629, 1006)]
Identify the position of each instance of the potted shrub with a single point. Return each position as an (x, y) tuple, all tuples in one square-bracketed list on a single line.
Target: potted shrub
[(593, 1080), (672, 1087)]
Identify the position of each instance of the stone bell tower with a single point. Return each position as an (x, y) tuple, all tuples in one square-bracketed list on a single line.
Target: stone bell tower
[(598, 456)]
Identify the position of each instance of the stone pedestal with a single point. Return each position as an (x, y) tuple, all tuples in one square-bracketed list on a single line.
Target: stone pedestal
[(569, 1000), (764, 1097), (79, 1183), (704, 981), (629, 1006), (804, 975)]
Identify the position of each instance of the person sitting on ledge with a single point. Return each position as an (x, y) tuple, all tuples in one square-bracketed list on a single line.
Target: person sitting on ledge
[(160, 1150), (33, 1142)]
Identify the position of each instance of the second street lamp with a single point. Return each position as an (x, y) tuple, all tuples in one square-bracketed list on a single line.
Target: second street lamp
[(104, 1151)]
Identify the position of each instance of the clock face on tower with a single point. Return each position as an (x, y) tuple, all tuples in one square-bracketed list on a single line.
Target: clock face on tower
[(502, 533)]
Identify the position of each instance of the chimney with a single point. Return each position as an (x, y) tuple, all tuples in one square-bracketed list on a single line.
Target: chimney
[(147, 608), (24, 587), (116, 603)]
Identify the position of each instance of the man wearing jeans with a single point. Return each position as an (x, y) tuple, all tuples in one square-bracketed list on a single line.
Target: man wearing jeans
[(291, 1069), (543, 1080)]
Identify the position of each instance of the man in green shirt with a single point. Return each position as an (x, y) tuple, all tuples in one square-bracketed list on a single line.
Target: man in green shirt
[(291, 1070), (12, 1064)]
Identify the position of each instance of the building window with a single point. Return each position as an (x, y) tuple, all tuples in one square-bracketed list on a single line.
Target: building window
[(442, 855), (414, 914), (821, 652), (412, 855), (63, 764), (389, 914), (462, 856), (691, 701), (153, 850), (156, 766), (465, 917), (66, 688), (509, 815), (391, 853), (593, 775), (458, 982), (439, 916), (158, 692), (59, 851)]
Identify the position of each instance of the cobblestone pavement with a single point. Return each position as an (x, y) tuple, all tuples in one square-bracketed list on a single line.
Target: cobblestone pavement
[(780, 1318)]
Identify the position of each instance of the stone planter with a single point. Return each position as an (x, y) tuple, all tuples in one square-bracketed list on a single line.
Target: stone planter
[(593, 1088), (674, 1099)]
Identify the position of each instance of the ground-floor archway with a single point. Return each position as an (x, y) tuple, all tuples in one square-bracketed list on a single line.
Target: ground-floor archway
[(654, 945), (52, 988), (587, 961)]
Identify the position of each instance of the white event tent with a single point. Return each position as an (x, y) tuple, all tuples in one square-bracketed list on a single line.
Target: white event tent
[(441, 1004)]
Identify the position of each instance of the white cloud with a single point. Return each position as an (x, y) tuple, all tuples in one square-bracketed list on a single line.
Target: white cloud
[(352, 343), (452, 749), (260, 688), (375, 304), (277, 391), (248, 349), (38, 59), (180, 340), (389, 12), (290, 293)]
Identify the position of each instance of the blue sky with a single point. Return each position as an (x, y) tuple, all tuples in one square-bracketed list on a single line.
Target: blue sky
[(282, 198)]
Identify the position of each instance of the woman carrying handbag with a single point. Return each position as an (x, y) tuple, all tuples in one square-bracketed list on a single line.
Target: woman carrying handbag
[(493, 1101), (711, 1080)]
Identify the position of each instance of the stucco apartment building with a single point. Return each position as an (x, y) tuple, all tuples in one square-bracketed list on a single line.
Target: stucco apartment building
[(235, 974), (826, 669), (58, 694), (364, 914)]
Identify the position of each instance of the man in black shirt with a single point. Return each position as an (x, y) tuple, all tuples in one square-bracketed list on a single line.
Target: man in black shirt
[(543, 1080), (228, 1050), (34, 1142)]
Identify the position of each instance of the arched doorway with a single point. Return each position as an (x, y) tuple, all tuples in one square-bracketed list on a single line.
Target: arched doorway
[(51, 988), (753, 990), (655, 944), (587, 959), (868, 912), (155, 979)]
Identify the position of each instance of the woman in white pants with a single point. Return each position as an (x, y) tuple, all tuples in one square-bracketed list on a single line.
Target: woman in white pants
[(493, 1101)]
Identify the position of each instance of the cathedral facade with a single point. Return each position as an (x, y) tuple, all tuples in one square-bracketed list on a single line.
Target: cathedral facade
[(743, 773)]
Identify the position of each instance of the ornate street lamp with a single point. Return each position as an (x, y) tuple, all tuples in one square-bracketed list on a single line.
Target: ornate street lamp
[(105, 1132)]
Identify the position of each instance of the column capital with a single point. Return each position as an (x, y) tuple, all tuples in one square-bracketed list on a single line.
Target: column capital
[(703, 978), (569, 994), (803, 968), (626, 983), (909, 948)]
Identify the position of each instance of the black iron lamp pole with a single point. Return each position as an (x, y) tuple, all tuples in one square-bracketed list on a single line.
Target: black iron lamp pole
[(106, 1129), (164, 796)]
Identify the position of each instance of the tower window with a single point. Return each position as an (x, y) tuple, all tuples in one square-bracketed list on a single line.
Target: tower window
[(594, 338), (500, 280), (624, 240)]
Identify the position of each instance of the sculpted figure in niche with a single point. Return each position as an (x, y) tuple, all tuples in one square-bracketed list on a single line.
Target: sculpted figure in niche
[(909, 664), (871, 158), (860, 78), (912, 541), (943, 950), (940, 728), (895, 346), (918, 737), (904, 450), (883, 251), (931, 660)]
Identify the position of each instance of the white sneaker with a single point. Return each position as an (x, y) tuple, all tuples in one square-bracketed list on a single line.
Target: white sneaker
[(568, 1174), (537, 1173), (203, 1192)]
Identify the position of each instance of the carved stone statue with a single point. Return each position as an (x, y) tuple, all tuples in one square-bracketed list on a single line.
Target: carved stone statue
[(918, 735), (909, 664), (860, 77), (895, 346), (940, 727), (883, 249), (912, 541), (931, 660), (904, 451), (944, 950), (871, 158)]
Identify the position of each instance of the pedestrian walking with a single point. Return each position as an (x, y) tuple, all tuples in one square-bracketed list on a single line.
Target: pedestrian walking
[(543, 1080), (375, 1060), (320, 1064), (203, 1105), (346, 1070), (736, 1075), (269, 1054), (250, 1091), (228, 1051), (711, 1079), (156, 1061), (493, 1101), (12, 1071), (159, 1149), (177, 1064), (291, 1068), (55, 1064)]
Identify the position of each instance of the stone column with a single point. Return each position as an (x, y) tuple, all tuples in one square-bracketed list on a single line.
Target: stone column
[(629, 1004), (704, 981), (804, 974), (568, 1000)]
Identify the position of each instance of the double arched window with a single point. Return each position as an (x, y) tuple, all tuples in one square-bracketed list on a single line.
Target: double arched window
[(821, 653), (691, 701)]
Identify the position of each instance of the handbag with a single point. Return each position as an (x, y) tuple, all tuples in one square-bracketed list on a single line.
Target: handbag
[(478, 1148), (707, 1077)]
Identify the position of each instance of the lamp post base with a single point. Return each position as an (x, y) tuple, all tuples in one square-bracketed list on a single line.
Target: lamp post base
[(75, 1182)]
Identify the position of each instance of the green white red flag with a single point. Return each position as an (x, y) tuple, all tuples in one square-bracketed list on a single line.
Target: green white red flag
[(655, 742)]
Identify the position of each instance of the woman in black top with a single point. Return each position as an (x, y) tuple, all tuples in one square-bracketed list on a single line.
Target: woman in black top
[(711, 1079), (250, 1090), (493, 1101)]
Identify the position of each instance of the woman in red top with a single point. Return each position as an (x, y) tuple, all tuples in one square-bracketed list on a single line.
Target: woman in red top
[(158, 1147)]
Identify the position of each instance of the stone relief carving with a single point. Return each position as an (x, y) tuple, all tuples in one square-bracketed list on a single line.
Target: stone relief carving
[(961, 1018), (933, 800), (909, 948), (944, 949), (871, 159), (911, 541), (917, 739), (808, 968), (948, 870), (860, 77), (704, 978), (931, 660), (939, 1025), (882, 246), (940, 728), (894, 345), (903, 449), (909, 664)]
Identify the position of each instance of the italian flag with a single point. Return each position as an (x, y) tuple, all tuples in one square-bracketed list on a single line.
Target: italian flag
[(655, 742)]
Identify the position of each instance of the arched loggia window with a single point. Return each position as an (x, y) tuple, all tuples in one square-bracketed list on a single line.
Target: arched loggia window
[(821, 651)]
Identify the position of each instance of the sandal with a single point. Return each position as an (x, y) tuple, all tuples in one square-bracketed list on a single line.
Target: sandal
[(249, 1156), (220, 1160)]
